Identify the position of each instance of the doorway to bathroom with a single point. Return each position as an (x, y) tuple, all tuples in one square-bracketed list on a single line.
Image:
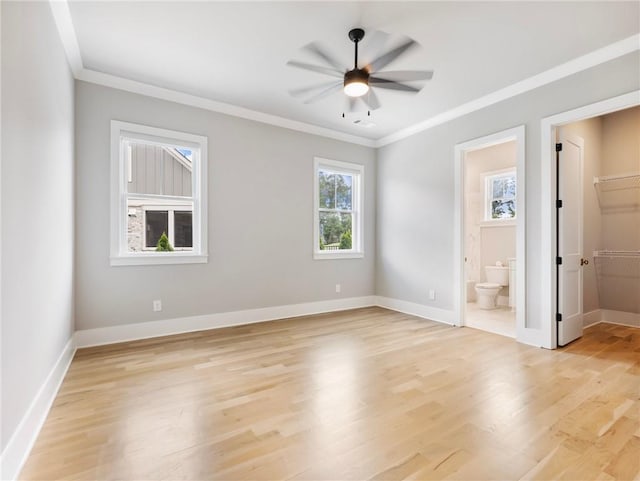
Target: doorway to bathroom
[(490, 233)]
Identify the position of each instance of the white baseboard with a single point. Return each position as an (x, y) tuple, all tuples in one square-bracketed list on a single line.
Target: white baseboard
[(19, 446), (631, 319), (145, 330), (610, 316), (591, 318), (420, 310)]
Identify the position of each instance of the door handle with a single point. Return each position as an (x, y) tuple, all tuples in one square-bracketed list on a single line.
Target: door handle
[(584, 262)]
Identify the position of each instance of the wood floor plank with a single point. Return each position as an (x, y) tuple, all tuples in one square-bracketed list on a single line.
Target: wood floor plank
[(361, 394)]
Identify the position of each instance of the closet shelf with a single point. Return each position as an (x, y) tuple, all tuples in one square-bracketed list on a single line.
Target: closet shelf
[(618, 191), (611, 253), (632, 179)]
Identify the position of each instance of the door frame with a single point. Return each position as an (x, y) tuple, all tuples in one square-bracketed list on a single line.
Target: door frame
[(548, 132), (516, 134)]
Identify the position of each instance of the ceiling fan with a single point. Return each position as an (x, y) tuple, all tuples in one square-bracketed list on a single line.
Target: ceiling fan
[(358, 83)]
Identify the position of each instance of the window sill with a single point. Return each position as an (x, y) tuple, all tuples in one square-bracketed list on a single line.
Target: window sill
[(499, 223), (337, 255), (158, 259)]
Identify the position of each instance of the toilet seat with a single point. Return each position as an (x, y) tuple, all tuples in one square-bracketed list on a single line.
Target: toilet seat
[(488, 285)]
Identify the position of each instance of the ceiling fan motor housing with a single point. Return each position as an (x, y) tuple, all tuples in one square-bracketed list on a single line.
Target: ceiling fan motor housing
[(357, 76)]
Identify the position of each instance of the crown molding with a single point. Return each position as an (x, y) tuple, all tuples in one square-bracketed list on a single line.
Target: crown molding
[(592, 59), (67, 32), (133, 86), (62, 17)]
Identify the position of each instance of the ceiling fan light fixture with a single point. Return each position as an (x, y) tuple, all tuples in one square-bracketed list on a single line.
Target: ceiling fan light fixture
[(356, 82)]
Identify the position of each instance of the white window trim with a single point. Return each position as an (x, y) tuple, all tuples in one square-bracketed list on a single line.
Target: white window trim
[(119, 255), (357, 170), (487, 177)]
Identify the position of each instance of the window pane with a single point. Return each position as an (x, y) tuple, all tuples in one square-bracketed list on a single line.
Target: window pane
[(186, 153), (157, 223), (335, 231), (135, 218), (327, 190), (344, 191), (510, 188), (183, 229), (503, 209), (498, 188), (154, 169)]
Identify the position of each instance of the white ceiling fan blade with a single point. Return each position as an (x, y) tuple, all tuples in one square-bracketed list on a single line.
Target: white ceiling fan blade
[(405, 75), (304, 91), (391, 55), (320, 52), (325, 93), (315, 68)]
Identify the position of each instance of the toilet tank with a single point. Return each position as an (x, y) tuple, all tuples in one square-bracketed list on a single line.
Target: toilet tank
[(497, 274)]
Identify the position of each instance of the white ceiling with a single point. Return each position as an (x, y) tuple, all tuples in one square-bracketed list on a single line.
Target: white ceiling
[(236, 52)]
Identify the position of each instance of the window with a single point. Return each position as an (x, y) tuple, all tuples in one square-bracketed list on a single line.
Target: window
[(176, 224), (338, 210), (500, 195), (158, 196)]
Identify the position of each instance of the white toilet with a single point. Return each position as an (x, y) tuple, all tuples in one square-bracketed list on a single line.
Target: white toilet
[(497, 278)]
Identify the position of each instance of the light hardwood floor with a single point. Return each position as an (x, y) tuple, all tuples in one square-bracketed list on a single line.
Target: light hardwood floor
[(362, 394)]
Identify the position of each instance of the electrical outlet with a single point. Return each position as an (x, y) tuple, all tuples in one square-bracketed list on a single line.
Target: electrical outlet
[(432, 295), (338, 288), (157, 305)]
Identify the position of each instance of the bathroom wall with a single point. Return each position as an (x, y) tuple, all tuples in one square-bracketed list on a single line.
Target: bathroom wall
[(486, 242)]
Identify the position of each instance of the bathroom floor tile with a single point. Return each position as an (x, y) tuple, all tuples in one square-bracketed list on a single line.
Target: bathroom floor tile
[(501, 320)]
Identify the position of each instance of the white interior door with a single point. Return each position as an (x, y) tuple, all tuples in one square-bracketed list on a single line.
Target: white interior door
[(570, 240)]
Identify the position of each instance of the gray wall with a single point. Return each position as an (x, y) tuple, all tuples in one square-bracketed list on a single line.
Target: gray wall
[(416, 186), (260, 218), (37, 204), (619, 278)]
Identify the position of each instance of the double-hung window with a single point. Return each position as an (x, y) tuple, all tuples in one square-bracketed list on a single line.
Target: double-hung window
[(500, 196), (337, 209), (158, 196)]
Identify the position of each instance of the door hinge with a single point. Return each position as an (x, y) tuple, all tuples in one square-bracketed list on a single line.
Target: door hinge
[(558, 317), (558, 147), (558, 204), (559, 261)]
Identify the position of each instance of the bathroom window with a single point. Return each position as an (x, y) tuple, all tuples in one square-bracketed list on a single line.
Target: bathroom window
[(500, 195)]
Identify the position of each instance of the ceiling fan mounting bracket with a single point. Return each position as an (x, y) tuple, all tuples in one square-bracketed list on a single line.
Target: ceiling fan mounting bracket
[(356, 34)]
